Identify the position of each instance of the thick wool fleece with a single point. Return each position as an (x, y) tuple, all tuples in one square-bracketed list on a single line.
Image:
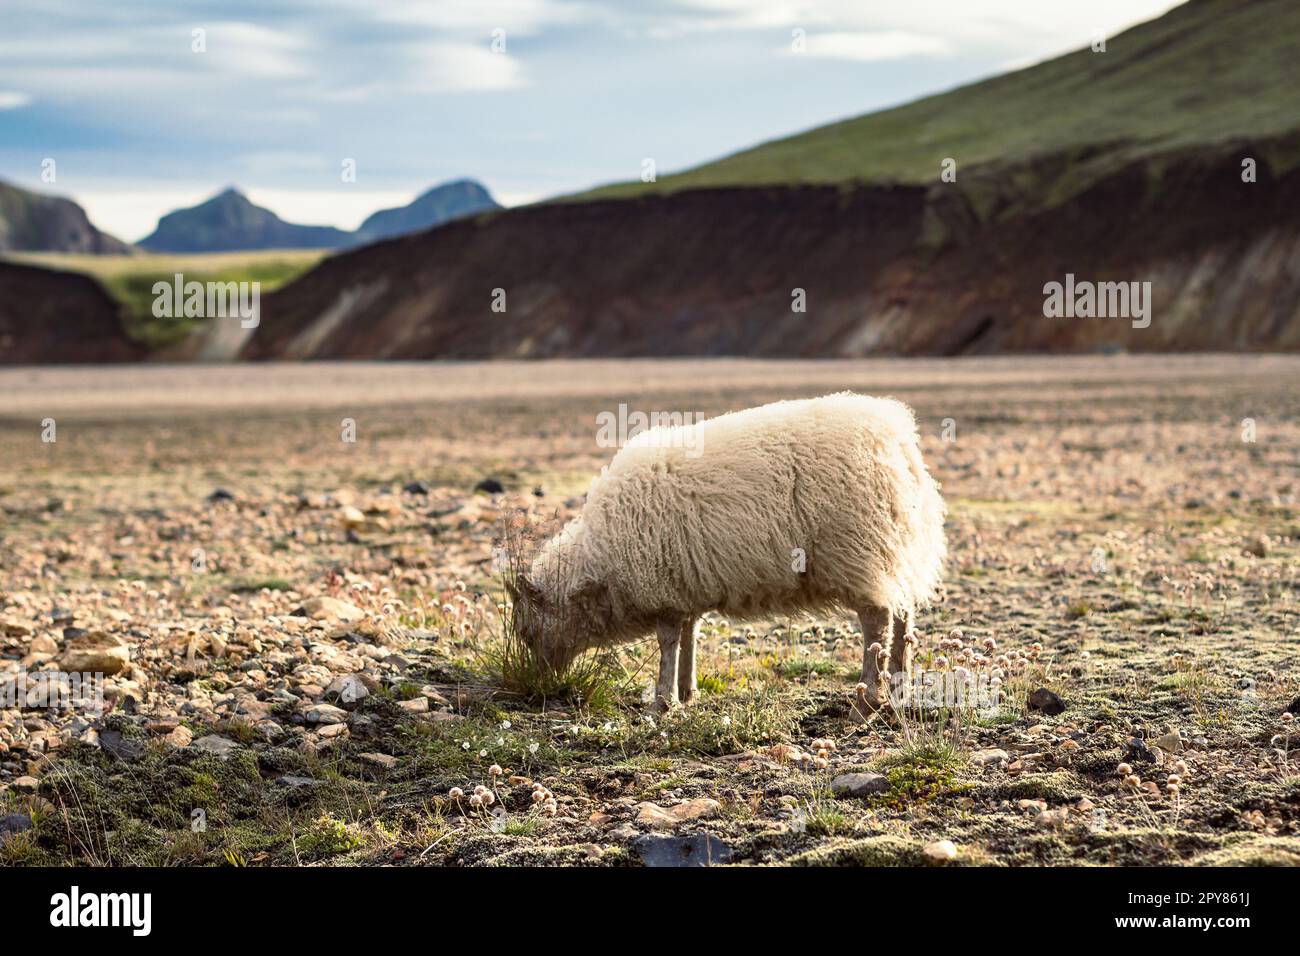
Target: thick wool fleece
[(678, 525)]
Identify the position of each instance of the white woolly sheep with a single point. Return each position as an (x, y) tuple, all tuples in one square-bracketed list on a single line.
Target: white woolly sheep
[(815, 505)]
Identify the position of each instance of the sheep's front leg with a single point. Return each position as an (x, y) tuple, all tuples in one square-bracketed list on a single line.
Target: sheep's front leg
[(669, 633), (900, 659), (686, 662), (877, 625)]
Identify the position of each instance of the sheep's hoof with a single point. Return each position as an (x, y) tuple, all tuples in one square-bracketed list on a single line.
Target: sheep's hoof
[(863, 708)]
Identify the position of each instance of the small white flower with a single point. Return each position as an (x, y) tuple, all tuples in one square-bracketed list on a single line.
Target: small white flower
[(482, 753), (505, 725), (726, 720), (532, 748)]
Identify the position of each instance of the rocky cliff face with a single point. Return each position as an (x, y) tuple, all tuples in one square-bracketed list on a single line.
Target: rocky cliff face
[(30, 222), (49, 317), (945, 269)]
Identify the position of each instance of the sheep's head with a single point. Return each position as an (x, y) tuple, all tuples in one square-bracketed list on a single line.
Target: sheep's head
[(558, 629), (538, 623)]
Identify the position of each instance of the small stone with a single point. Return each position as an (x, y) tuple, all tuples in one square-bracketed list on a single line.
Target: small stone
[(697, 849), (332, 731), (1257, 546), (221, 494), (216, 745), (941, 851), (990, 758), (1138, 750), (349, 689), (325, 608), (124, 748), (491, 486), (416, 488), (13, 627), (269, 730), (26, 784), (291, 782), (652, 815), (1171, 742), (352, 518), (859, 784), (1294, 707), (324, 714), (181, 737), (43, 644), (1044, 701), (416, 705), (14, 823)]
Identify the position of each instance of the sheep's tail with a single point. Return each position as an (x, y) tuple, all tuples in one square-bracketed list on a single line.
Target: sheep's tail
[(928, 549), (921, 547)]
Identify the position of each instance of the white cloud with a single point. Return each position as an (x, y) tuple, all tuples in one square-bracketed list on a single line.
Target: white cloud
[(246, 49), (872, 47), (516, 17), (446, 67), (12, 100), (1071, 23)]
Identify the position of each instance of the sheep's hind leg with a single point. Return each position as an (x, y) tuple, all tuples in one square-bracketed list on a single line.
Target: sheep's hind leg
[(900, 660), (669, 633), (876, 627), (686, 662)]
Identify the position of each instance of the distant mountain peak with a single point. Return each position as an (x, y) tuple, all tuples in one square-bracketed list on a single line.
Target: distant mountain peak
[(229, 221), (443, 203)]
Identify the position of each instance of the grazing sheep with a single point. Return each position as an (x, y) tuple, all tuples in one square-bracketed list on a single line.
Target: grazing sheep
[(811, 505)]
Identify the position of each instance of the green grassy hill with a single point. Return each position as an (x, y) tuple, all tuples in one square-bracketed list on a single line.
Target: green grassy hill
[(1208, 71), (130, 280)]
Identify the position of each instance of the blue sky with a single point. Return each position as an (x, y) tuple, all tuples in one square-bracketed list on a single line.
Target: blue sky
[(139, 123)]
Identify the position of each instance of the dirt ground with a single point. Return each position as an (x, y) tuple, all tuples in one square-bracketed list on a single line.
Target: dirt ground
[(298, 628)]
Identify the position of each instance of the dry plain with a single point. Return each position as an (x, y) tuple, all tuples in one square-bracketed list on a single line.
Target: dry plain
[(1123, 533)]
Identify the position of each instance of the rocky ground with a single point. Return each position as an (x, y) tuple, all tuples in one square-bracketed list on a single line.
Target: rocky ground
[(296, 628)]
